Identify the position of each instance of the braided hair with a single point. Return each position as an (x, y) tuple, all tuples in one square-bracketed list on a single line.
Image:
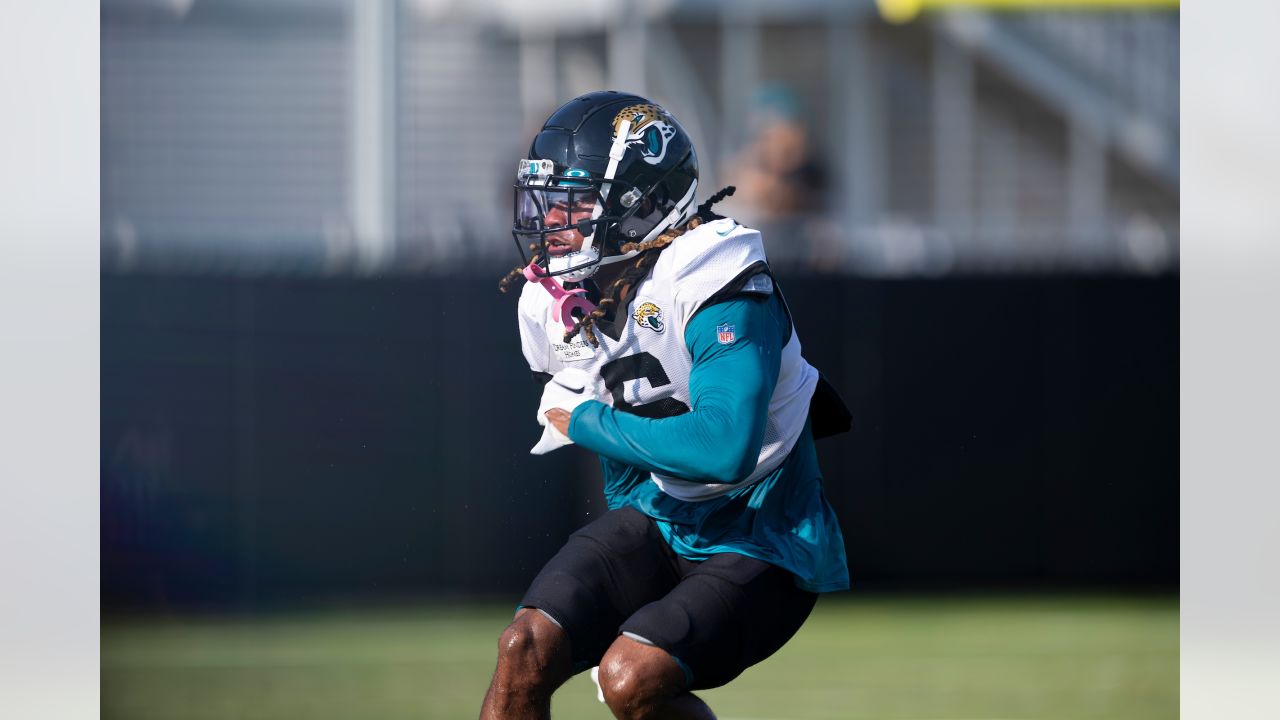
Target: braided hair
[(647, 257)]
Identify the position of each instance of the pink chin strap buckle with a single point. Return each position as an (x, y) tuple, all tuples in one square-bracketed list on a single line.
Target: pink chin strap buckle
[(564, 301)]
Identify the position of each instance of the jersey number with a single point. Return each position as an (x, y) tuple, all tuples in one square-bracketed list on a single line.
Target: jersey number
[(641, 366)]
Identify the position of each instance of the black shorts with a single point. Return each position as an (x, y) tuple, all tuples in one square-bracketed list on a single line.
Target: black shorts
[(716, 618)]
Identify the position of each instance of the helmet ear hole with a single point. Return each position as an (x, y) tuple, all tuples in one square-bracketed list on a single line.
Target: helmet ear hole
[(633, 229), (641, 221)]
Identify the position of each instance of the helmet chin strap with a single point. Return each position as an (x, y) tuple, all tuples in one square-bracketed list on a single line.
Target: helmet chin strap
[(560, 266), (586, 272)]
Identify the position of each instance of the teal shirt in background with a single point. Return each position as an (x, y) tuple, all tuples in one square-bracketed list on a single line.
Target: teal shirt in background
[(784, 518)]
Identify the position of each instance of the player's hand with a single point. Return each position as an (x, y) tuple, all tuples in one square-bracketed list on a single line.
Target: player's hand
[(566, 390), (559, 419)]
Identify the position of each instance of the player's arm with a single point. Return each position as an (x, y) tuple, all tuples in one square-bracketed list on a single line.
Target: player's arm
[(730, 386)]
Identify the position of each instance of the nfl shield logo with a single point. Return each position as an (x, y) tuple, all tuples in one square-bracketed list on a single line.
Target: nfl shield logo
[(725, 334)]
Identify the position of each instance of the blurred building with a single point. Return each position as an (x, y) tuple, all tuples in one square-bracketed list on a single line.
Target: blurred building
[(376, 136)]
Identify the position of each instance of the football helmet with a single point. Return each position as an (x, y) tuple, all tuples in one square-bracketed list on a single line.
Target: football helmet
[(609, 168)]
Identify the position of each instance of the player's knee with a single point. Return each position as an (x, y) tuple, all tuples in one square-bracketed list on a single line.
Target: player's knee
[(638, 679), (532, 649)]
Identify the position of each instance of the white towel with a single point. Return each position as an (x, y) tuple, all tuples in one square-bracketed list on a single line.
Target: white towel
[(567, 389)]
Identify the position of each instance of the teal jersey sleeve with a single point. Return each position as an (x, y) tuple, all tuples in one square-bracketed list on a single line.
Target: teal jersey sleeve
[(730, 386)]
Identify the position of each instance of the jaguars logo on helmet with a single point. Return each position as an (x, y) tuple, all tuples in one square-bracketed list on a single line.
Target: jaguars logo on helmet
[(649, 132)]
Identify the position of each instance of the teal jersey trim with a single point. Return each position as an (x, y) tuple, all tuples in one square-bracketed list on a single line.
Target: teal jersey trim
[(784, 518), (719, 439)]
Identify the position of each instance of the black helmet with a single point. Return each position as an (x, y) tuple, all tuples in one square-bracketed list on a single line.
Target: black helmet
[(612, 166)]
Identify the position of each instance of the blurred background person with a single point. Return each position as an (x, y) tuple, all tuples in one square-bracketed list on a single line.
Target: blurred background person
[(777, 174), (781, 183)]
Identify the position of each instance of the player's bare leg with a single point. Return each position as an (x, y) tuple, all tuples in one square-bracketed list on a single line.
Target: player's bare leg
[(533, 660), (642, 681)]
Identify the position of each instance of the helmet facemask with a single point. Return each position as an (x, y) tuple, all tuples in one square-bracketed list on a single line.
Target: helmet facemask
[(553, 210)]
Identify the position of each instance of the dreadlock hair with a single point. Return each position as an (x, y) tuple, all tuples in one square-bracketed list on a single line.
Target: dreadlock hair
[(639, 270), (505, 283)]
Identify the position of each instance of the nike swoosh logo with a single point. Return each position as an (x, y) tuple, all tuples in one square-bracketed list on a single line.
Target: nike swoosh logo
[(726, 232)]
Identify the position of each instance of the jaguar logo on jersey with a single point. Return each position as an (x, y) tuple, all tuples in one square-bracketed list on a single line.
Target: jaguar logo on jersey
[(726, 334), (649, 316), (649, 131)]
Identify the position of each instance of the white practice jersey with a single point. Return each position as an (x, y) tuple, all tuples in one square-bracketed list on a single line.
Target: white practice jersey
[(642, 364)]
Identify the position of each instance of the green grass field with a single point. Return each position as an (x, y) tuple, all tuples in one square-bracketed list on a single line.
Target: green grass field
[(884, 658)]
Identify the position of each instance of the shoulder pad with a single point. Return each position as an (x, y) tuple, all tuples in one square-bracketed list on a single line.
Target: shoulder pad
[(712, 261), (709, 257)]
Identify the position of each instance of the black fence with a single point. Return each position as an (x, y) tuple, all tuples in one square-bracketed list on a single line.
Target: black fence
[(269, 442)]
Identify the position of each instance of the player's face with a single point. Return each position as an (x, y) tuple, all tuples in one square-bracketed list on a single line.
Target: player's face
[(561, 213)]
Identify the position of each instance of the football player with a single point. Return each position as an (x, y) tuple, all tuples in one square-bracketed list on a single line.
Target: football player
[(666, 348)]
